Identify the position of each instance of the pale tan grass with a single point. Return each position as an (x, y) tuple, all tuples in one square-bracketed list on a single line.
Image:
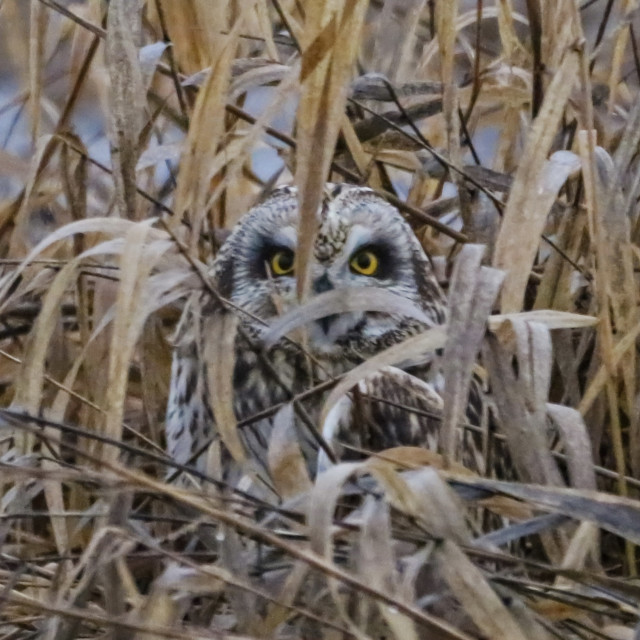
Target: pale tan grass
[(98, 257)]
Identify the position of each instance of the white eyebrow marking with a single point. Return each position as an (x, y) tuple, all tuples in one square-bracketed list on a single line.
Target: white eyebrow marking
[(287, 237), (359, 235)]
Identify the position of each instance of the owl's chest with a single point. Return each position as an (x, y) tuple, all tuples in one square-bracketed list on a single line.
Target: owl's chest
[(267, 380)]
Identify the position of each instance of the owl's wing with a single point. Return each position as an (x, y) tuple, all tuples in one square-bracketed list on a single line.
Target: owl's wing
[(387, 409), (189, 420), (393, 408)]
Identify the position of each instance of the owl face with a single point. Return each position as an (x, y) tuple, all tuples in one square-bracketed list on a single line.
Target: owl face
[(361, 241)]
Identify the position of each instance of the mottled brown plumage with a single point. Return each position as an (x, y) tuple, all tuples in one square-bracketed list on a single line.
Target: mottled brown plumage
[(362, 241)]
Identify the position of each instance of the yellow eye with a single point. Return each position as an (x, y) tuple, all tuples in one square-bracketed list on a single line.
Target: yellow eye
[(365, 263), (281, 262)]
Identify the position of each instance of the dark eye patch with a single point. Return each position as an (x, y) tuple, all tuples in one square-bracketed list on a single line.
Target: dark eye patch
[(387, 262), (260, 258)]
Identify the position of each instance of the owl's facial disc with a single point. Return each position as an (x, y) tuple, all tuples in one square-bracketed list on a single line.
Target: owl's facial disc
[(361, 241), (362, 259), (329, 334)]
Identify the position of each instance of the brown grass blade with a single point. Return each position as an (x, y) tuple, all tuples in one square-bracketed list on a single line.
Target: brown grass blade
[(135, 267), (522, 399), (219, 354), (446, 24), (286, 464), (470, 587), (431, 501), (413, 350), (376, 559), (576, 444), (472, 293), (524, 221), (201, 146), (548, 317), (345, 300), (330, 41), (38, 27), (613, 513), (194, 27), (127, 94)]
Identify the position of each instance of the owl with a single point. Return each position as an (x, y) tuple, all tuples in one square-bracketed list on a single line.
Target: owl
[(361, 241)]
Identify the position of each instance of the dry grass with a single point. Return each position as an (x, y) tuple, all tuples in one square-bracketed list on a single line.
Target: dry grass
[(511, 124)]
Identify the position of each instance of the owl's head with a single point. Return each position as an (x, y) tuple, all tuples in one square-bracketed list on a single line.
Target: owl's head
[(361, 241)]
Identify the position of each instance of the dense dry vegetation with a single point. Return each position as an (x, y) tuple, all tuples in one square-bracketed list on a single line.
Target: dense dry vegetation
[(132, 133)]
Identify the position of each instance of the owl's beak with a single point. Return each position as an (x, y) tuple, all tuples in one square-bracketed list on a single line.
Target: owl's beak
[(326, 322), (320, 285)]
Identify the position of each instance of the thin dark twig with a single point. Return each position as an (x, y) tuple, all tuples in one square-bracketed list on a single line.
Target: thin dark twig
[(20, 420), (285, 22), (85, 24), (432, 18), (145, 194), (601, 29), (467, 137), (566, 257), (634, 49), (422, 216), (407, 118), (535, 26), (438, 156), (475, 88), (76, 89), (172, 63), (12, 581), (587, 4)]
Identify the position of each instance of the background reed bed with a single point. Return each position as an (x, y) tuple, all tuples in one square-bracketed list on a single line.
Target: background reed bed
[(134, 133)]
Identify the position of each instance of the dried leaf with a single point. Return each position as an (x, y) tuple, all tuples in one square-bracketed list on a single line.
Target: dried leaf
[(219, 353), (345, 300), (470, 587), (150, 56), (205, 132), (414, 350), (423, 495), (577, 445), (329, 48), (552, 319), (521, 398), (524, 219), (376, 561), (38, 23), (128, 323), (286, 464), (322, 505), (472, 293), (127, 94), (613, 513)]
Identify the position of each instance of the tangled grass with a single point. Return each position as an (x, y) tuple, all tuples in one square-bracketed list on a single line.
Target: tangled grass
[(134, 133)]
